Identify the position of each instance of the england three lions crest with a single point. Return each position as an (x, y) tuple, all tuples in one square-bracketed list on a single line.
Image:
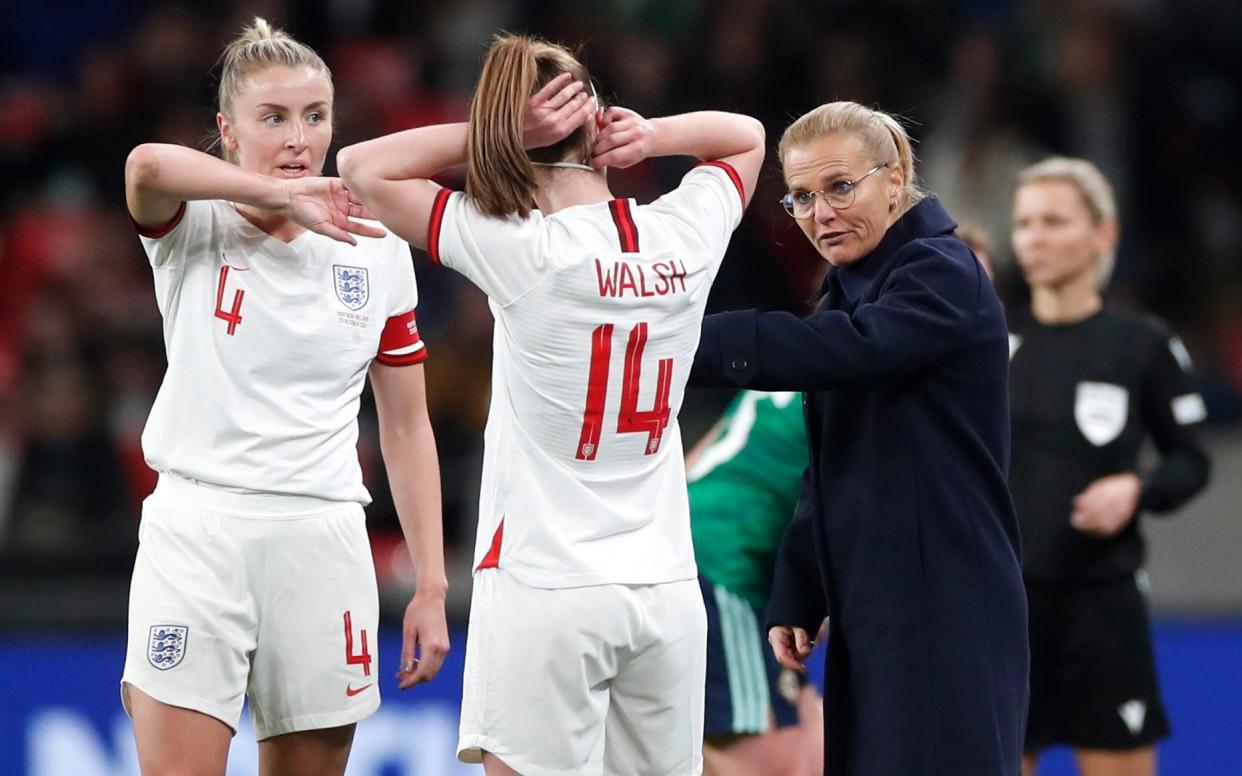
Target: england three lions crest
[(166, 645), (352, 287)]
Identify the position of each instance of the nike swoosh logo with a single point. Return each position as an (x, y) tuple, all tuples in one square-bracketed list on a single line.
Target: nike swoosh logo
[(351, 692)]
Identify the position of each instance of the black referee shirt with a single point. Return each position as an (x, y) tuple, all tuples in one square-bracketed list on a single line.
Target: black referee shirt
[(1084, 398)]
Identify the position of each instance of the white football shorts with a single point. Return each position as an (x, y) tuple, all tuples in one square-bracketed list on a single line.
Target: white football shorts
[(271, 597), (585, 680)]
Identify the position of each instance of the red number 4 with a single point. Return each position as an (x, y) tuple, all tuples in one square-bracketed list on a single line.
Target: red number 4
[(362, 658), (232, 316), (630, 420)]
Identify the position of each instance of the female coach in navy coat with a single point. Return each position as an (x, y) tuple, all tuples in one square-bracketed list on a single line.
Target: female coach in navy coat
[(905, 531)]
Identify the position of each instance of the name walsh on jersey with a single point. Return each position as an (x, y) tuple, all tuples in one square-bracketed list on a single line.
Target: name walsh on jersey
[(659, 278)]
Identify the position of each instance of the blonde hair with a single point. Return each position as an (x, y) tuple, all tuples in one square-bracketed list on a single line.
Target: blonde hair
[(259, 46), (884, 139), (1095, 190), (500, 177)]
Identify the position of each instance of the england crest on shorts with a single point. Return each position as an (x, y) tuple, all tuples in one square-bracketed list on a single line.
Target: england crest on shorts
[(166, 645), (1100, 409), (351, 285)]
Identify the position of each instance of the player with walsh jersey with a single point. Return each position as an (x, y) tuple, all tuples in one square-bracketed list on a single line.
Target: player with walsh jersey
[(744, 480), (586, 647), (254, 574)]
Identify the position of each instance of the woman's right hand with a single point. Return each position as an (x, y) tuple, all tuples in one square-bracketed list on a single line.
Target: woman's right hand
[(791, 646), (424, 640), (325, 206), (624, 140)]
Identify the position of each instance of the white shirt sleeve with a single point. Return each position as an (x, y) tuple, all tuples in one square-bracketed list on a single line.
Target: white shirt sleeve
[(399, 266), (711, 200), (185, 236), (504, 257), (400, 342)]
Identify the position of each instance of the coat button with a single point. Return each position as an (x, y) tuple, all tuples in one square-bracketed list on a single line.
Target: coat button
[(740, 363)]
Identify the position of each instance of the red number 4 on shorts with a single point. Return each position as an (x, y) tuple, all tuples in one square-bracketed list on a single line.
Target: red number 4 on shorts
[(363, 657)]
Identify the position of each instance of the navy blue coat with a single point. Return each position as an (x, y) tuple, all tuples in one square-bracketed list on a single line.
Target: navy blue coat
[(905, 532)]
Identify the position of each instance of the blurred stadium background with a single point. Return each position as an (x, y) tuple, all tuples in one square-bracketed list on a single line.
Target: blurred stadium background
[(1150, 90)]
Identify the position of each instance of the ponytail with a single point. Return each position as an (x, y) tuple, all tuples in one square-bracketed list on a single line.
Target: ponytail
[(500, 176), (910, 193)]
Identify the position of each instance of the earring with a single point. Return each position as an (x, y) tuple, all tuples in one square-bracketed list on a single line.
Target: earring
[(892, 206)]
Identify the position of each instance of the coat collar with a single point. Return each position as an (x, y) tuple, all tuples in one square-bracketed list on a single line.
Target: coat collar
[(926, 219)]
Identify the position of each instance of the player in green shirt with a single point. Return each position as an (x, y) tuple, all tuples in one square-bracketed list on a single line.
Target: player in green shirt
[(744, 479)]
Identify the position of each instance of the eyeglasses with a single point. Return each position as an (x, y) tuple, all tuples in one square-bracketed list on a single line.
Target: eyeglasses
[(839, 195)]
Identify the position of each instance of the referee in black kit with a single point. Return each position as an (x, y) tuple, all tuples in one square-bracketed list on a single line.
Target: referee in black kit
[(904, 532), (1088, 387)]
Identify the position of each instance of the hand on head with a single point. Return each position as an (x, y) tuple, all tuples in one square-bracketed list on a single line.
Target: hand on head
[(555, 111), (625, 139)]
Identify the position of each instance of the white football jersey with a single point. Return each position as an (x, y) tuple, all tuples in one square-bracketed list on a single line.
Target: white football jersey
[(268, 348), (598, 311)]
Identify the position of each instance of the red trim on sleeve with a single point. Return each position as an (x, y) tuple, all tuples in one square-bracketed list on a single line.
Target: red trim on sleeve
[(436, 221), (492, 559), (156, 232), (733, 176), (407, 359), (627, 230)]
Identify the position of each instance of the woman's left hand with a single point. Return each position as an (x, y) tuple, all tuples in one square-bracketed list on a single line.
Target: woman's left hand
[(324, 205), (424, 640), (624, 140), (555, 111), (1107, 505)]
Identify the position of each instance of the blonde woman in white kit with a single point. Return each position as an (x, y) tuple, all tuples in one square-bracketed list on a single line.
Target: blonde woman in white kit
[(254, 574)]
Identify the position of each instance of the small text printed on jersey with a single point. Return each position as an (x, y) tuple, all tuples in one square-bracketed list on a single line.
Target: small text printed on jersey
[(659, 278)]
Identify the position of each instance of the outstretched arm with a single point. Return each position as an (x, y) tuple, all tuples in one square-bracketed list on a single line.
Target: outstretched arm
[(928, 308), (160, 176)]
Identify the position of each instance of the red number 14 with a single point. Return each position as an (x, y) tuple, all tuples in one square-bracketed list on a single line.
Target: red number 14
[(631, 419)]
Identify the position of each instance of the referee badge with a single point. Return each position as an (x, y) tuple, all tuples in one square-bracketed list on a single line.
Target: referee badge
[(1100, 409), (352, 287), (166, 645)]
